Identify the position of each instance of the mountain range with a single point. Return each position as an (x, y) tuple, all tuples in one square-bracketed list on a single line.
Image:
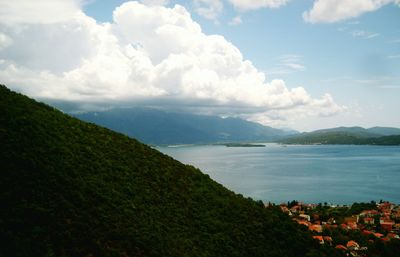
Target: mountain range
[(159, 127), (362, 132), (347, 135)]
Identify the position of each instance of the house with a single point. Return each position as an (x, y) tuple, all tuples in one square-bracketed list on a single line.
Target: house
[(344, 226), (385, 206), (328, 240), (333, 226), (396, 214), (352, 245), (320, 239), (369, 220), (387, 226), (393, 235), (352, 225), (378, 235), (386, 220), (295, 209), (353, 219), (341, 247), (316, 228), (303, 222), (286, 210), (305, 216), (315, 216), (369, 213), (367, 232)]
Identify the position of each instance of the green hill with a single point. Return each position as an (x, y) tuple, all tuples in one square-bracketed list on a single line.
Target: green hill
[(353, 131), (70, 188), (341, 138), (385, 131)]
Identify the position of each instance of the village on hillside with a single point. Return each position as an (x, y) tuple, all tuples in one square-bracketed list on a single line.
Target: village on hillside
[(351, 229)]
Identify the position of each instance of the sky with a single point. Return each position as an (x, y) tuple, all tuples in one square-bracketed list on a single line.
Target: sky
[(300, 64)]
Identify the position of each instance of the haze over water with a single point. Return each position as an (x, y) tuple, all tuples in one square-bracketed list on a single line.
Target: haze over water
[(337, 174)]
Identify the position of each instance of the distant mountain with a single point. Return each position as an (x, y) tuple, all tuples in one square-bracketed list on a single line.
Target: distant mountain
[(70, 188), (385, 131), (159, 127), (354, 131), (347, 135)]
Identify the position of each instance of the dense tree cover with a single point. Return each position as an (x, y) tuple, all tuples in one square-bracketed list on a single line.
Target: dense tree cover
[(70, 188), (340, 137), (340, 213)]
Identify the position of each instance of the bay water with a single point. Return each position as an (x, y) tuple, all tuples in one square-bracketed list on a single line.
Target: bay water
[(336, 174)]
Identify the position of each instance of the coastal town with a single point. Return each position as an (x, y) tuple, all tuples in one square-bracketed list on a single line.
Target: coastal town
[(351, 229)]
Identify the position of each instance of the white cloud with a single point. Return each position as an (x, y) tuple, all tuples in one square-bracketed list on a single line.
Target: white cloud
[(155, 2), (149, 55), (329, 11), (209, 9), (293, 62), (41, 11), (5, 41), (237, 20), (246, 5), (364, 34), (324, 107), (358, 32), (287, 64)]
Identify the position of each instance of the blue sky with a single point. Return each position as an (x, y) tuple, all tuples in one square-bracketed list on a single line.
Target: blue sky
[(352, 55)]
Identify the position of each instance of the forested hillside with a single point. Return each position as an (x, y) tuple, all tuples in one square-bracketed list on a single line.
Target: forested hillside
[(70, 188), (341, 138)]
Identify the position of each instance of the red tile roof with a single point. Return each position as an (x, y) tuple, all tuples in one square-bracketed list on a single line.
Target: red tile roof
[(341, 247), (367, 232), (352, 243), (316, 228), (319, 238)]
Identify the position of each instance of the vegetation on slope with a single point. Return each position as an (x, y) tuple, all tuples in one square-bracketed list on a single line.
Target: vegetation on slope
[(333, 138), (69, 188)]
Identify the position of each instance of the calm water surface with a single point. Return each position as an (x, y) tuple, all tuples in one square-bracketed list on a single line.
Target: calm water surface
[(330, 173)]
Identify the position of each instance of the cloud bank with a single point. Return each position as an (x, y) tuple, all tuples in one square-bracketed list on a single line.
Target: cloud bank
[(246, 5), (149, 54), (329, 11)]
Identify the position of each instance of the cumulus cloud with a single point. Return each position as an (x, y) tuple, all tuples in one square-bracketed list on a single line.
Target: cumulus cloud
[(155, 2), (237, 20), (246, 5), (209, 9), (324, 107), (43, 11), (329, 11), (152, 55)]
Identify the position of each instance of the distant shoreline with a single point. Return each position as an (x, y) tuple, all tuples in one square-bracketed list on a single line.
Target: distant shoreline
[(243, 145)]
